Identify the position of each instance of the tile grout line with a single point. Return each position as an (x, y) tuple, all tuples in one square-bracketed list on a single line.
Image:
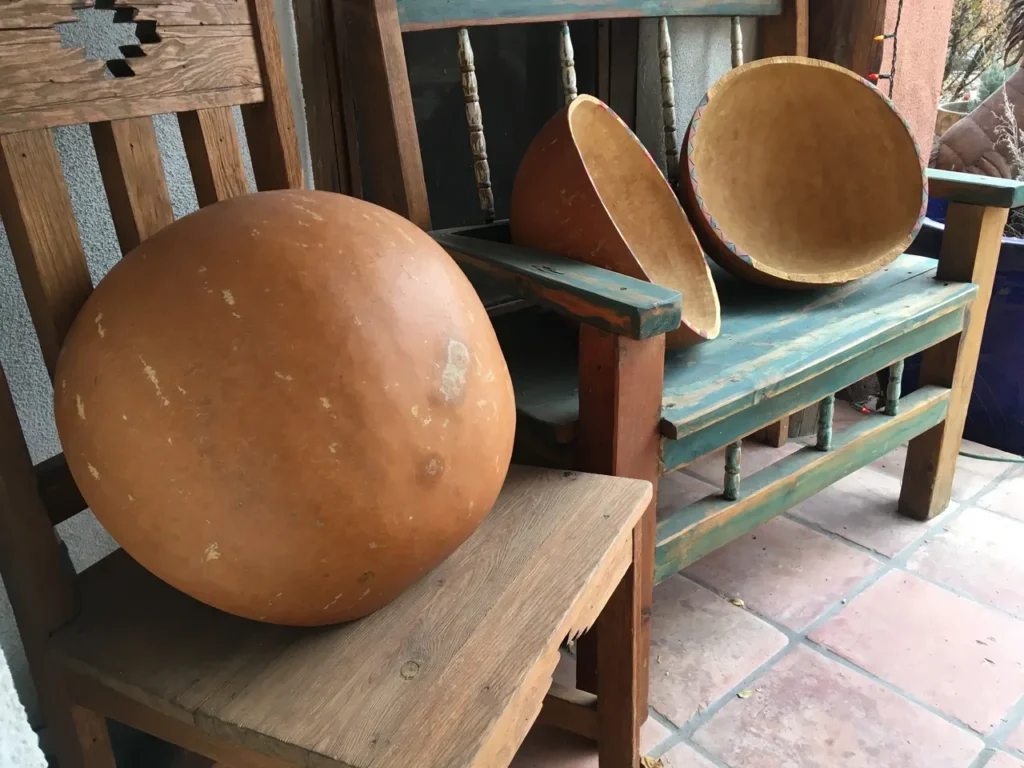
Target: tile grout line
[(684, 733)]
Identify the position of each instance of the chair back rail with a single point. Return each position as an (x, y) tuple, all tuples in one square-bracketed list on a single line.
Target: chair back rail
[(197, 58)]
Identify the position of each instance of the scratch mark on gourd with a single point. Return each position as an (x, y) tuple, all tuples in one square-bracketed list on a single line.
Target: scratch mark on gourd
[(212, 553), (99, 325), (170, 441), (319, 523), (80, 406), (229, 297), (130, 497), (283, 376), (93, 471), (333, 447), (416, 411), (236, 315), (373, 545), (326, 403), (255, 232), (124, 416), (337, 597), (453, 377), (151, 375), (365, 593)]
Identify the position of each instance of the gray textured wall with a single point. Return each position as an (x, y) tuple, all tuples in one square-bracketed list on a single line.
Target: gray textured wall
[(701, 53), (19, 351)]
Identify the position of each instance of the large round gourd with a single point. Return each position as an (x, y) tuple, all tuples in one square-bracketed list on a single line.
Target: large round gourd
[(289, 405)]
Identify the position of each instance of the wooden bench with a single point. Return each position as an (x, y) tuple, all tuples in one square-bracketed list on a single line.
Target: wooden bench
[(452, 673), (606, 398)]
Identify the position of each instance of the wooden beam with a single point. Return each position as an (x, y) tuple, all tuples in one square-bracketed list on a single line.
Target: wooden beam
[(701, 528), (787, 34), (438, 14), (571, 710), (970, 253), (843, 32)]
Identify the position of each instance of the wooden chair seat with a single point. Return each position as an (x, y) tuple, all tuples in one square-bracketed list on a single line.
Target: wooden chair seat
[(778, 351), (452, 673)]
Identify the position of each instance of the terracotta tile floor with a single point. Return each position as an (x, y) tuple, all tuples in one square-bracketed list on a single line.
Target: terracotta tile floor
[(864, 640)]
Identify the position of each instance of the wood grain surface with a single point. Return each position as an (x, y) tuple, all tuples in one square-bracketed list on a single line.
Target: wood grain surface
[(214, 154), (190, 67), (133, 176), (464, 641), (44, 239), (433, 14), (975, 190)]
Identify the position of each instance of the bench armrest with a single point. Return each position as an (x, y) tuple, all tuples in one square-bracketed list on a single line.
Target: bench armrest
[(595, 296), (975, 190)]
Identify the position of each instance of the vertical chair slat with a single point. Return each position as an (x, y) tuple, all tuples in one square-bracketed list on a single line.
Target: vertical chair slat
[(668, 103), (133, 176), (737, 42), (567, 56), (270, 124), (733, 457), (826, 411), (214, 154), (475, 120), (36, 212), (895, 389)]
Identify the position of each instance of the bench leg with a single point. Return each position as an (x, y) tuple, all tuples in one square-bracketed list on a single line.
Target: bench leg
[(620, 409), (970, 253)]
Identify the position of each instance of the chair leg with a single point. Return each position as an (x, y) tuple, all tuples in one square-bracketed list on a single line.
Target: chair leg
[(970, 253), (91, 747), (619, 703)]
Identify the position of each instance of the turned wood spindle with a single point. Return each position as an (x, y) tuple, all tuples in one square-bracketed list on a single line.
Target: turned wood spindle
[(668, 103), (733, 455), (475, 119), (568, 58), (826, 410), (894, 390), (737, 42)]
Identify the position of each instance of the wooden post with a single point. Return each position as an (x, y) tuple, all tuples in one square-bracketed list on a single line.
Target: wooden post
[(383, 99), (785, 34), (327, 91), (843, 32), (775, 435), (970, 253), (620, 409), (826, 412), (895, 389), (737, 42)]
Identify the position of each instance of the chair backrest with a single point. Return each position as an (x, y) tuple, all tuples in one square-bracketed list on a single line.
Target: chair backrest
[(384, 99), (196, 58)]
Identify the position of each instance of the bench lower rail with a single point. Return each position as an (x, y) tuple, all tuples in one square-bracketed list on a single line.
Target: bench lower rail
[(571, 710), (702, 527)]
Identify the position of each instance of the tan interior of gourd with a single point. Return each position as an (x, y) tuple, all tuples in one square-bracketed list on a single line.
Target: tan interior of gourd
[(806, 170), (645, 210)]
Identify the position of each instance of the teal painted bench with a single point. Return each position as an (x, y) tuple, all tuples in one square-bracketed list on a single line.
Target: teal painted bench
[(779, 351)]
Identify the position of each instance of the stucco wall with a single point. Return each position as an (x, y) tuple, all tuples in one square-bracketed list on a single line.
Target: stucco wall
[(921, 57), (19, 351)]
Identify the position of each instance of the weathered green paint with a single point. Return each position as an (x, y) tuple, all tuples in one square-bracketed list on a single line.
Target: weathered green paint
[(434, 14), (826, 412), (895, 389), (677, 453), (774, 340), (975, 190), (694, 531), (733, 456), (598, 297)]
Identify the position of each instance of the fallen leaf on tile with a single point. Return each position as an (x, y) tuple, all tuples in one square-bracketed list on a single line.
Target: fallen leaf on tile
[(651, 762), (737, 602), (746, 693)]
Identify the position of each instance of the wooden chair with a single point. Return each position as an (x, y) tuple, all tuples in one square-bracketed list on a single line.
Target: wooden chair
[(608, 399), (452, 673)]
